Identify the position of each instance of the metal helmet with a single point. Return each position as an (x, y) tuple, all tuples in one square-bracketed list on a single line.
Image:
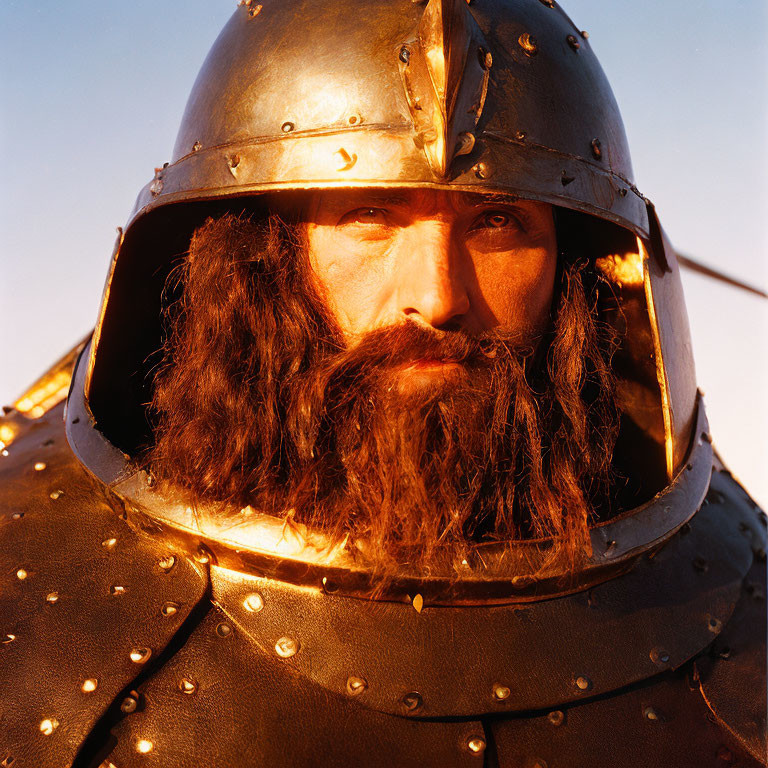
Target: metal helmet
[(485, 96)]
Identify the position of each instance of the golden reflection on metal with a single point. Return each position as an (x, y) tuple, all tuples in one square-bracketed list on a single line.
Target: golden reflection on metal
[(89, 685), (49, 725), (52, 597), (622, 269), (40, 466), (661, 371), (166, 563), (188, 686), (109, 543), (253, 603), (140, 655), (21, 574), (46, 393), (476, 745), (501, 692), (418, 603), (286, 647), (7, 435)]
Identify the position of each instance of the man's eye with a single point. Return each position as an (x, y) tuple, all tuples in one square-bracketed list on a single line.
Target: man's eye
[(365, 216), (496, 220)]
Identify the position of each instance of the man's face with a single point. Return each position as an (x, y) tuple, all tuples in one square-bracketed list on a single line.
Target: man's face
[(446, 260)]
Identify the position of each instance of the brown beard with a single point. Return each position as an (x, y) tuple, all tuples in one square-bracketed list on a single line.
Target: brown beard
[(259, 402)]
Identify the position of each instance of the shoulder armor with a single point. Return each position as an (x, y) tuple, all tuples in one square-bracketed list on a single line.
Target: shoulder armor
[(87, 603)]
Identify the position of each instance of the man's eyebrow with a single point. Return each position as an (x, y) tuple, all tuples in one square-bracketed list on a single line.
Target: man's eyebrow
[(477, 199)]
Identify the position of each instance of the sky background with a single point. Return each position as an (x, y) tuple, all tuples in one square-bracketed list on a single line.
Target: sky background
[(92, 92)]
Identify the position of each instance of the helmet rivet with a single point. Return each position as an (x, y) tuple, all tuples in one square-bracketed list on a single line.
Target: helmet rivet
[(610, 548), (465, 143), (585, 34), (548, 3), (556, 717), (286, 647), (169, 609), (412, 701), (255, 10), (356, 685), (715, 625), (287, 126), (597, 149), (485, 57), (156, 187), (583, 683), (166, 563), (659, 656), (253, 603), (529, 44), (223, 629), (649, 713), (501, 692), (140, 655), (481, 170), (573, 42), (476, 745), (130, 704), (405, 54), (197, 146), (520, 135), (187, 685)]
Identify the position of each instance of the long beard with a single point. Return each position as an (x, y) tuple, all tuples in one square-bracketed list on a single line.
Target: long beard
[(492, 442)]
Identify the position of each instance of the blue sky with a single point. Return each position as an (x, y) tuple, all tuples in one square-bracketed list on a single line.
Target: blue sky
[(91, 94)]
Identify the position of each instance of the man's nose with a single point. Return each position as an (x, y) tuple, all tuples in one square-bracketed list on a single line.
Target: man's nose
[(431, 285)]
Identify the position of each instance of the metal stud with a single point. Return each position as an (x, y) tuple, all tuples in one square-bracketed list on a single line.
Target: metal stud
[(144, 746), (255, 10), (585, 34), (573, 42), (202, 555), (529, 44), (465, 144), (659, 656), (597, 149), (224, 629), (52, 597), (187, 685), (232, 163), (556, 717), (166, 563), (253, 603), (140, 655), (481, 170), (286, 647), (714, 625), (156, 187), (287, 126), (117, 590), (40, 466), (583, 683), (21, 574), (17, 515), (197, 146), (129, 705), (356, 685), (405, 54), (48, 726), (354, 119), (8, 639), (412, 701), (548, 3), (109, 543), (610, 548), (520, 135), (500, 692), (476, 745), (169, 609), (485, 57), (89, 685), (649, 713), (56, 494)]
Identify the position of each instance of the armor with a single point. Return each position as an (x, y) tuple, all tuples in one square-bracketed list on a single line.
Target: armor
[(139, 630)]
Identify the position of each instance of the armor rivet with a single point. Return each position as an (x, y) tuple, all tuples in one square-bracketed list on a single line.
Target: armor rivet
[(623, 192), (156, 187), (520, 135), (659, 656), (255, 11), (144, 746), (89, 685), (5, 452), (202, 555), (187, 685), (356, 685), (700, 564), (500, 692), (412, 701), (583, 683), (485, 57), (465, 144), (714, 624), (233, 162), (129, 705), (167, 563), (109, 543), (405, 54), (117, 590), (253, 603), (40, 466), (528, 43), (21, 574), (286, 647), (597, 149), (56, 494), (223, 629), (49, 725), (548, 3), (354, 119), (610, 548), (17, 515), (573, 42), (140, 655), (476, 745), (649, 713), (481, 170), (556, 717), (585, 34), (169, 609), (197, 146), (8, 639), (287, 126), (52, 597)]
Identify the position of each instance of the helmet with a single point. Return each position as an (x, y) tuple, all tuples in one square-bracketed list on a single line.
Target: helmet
[(490, 96)]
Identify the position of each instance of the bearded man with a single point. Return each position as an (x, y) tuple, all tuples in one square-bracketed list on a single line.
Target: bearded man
[(386, 448)]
